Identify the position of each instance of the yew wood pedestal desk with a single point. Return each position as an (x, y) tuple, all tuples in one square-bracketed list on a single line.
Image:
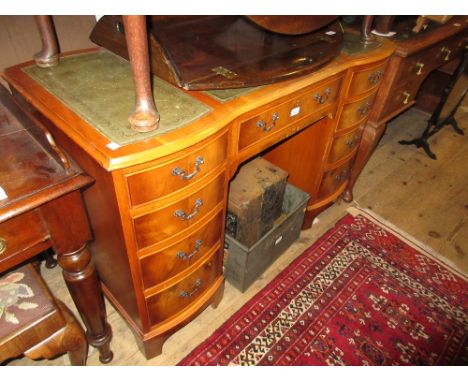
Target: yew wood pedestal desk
[(158, 193)]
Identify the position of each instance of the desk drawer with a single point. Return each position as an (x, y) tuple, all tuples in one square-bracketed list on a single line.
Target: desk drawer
[(161, 224), (279, 117), (161, 180), (21, 233), (355, 111), (174, 299), (176, 258), (401, 97), (333, 179), (419, 65), (366, 79), (343, 145)]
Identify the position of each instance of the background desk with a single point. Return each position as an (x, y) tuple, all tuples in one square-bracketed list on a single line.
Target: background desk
[(413, 61)]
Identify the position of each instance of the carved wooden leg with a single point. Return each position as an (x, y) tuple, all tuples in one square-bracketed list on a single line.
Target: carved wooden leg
[(48, 56), (370, 137), (310, 215), (146, 116), (69, 229)]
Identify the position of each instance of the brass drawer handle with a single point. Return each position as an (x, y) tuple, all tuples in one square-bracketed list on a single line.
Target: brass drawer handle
[(184, 216), (375, 77), (262, 124), (407, 97), (364, 109), (420, 66), (180, 172), (183, 256), (342, 176), (321, 99), (352, 142), (188, 294), (3, 245), (447, 52)]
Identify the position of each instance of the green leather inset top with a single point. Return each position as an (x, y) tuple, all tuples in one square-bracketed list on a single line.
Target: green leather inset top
[(99, 87)]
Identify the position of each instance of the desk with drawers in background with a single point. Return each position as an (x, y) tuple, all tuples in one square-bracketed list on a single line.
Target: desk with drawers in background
[(407, 77), (158, 194)]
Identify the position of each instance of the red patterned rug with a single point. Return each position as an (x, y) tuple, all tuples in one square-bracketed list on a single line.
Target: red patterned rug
[(361, 295)]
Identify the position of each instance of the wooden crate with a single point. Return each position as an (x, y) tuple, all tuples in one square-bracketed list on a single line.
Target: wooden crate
[(245, 264), (255, 200)]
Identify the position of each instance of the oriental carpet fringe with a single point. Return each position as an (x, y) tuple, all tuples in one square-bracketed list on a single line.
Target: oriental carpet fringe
[(361, 295)]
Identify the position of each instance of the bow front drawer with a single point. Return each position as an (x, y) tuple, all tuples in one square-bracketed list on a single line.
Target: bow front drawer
[(366, 79), (165, 304), (171, 261), (156, 182), (355, 112), (344, 145), (160, 224)]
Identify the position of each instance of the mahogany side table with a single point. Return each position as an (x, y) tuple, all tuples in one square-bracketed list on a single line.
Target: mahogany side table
[(41, 207)]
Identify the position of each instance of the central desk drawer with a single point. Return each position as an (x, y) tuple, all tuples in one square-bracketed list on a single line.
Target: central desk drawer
[(174, 299), (278, 117), (171, 261), (175, 218), (161, 180)]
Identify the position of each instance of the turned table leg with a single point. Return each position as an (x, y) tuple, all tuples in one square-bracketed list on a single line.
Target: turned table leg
[(146, 116), (48, 56), (69, 230)]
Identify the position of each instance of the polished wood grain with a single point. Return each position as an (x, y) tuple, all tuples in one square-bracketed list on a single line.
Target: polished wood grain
[(224, 52), (297, 24), (173, 299), (192, 166), (179, 257), (344, 145), (366, 79), (179, 216), (356, 112)]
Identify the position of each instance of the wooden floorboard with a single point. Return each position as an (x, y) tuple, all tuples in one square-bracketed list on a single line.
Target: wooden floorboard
[(428, 199)]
